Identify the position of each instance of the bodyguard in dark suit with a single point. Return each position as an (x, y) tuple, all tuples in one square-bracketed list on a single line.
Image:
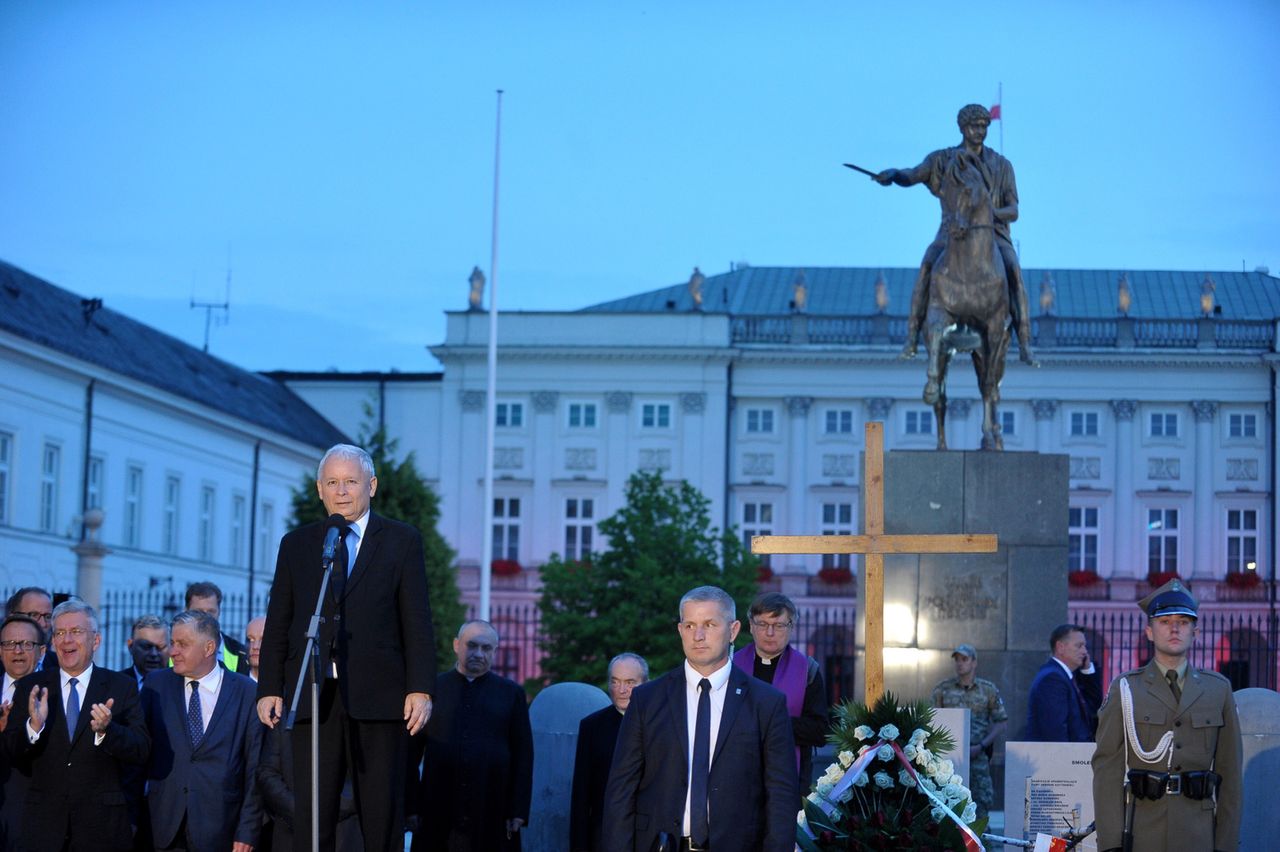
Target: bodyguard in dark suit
[(22, 645), (207, 597), (1056, 709), (78, 725), (597, 735), (206, 739), (705, 754), (376, 648)]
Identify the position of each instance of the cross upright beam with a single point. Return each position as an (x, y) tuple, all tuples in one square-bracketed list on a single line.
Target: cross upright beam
[(873, 544)]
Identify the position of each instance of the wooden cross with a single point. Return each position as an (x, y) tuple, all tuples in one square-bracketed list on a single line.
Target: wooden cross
[(873, 545)]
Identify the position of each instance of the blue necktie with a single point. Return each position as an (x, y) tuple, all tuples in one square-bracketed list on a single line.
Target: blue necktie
[(698, 823), (195, 721), (73, 709)]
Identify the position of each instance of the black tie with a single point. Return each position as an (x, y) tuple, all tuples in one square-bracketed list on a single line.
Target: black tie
[(1172, 677), (698, 825), (338, 580)]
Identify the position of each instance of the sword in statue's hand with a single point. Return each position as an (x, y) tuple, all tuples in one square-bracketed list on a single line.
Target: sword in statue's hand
[(875, 176)]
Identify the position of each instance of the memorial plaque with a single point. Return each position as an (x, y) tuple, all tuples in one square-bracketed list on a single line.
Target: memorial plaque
[(1048, 789)]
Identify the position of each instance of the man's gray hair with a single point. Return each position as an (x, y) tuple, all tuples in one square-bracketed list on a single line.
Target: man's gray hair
[(77, 605), (482, 623), (346, 451), (711, 593), (630, 655), (149, 622), (202, 622)]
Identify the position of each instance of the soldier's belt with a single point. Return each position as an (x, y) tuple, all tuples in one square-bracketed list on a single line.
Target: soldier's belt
[(1197, 785)]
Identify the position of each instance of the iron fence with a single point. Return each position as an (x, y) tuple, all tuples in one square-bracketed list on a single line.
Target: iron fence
[(1239, 645)]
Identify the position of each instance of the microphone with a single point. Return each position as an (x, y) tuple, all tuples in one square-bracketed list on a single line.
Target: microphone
[(336, 524)]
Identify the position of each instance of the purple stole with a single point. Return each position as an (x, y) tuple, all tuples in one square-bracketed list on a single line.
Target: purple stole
[(790, 679)]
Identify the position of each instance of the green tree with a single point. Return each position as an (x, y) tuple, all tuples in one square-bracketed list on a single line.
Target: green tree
[(404, 496), (661, 545)]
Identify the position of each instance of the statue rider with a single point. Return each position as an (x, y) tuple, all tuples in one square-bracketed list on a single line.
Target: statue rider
[(998, 174)]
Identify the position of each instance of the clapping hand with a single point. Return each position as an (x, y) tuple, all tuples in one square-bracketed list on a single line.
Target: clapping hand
[(38, 707), (100, 716)]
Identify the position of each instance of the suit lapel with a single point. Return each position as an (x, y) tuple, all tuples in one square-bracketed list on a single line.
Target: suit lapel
[(1157, 686), (1192, 690), (735, 695), (225, 699), (368, 546), (95, 692), (677, 705)]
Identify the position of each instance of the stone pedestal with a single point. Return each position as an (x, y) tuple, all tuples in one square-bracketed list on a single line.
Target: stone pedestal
[(1005, 603), (1260, 737), (89, 555), (554, 717)]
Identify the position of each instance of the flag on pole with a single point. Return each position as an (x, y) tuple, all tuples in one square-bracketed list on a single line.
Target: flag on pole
[(995, 112)]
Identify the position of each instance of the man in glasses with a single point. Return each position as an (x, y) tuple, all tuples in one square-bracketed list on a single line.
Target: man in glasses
[(36, 604), (22, 645), (771, 658)]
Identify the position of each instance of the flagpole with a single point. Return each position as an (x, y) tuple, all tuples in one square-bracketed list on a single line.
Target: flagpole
[(1000, 101), (491, 386)]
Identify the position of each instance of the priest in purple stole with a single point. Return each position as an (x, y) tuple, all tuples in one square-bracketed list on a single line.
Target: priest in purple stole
[(771, 658)]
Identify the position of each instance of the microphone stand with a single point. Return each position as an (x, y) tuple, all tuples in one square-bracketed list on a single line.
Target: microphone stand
[(311, 654)]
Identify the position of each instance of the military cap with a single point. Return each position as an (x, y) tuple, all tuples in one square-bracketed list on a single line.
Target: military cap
[(966, 650), (1172, 598)]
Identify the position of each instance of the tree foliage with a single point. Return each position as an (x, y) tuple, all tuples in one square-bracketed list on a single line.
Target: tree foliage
[(403, 496), (661, 545)]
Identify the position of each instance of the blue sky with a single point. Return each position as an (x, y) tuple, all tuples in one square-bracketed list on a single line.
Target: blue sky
[(339, 156)]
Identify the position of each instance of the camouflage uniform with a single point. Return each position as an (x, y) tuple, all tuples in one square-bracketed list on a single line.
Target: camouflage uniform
[(986, 708)]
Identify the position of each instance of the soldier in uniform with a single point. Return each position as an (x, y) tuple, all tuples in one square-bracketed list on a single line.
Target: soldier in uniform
[(987, 720), (1182, 777)]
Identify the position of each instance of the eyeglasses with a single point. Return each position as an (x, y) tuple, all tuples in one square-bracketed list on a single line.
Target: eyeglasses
[(771, 627), (15, 644), (36, 616), (75, 632)]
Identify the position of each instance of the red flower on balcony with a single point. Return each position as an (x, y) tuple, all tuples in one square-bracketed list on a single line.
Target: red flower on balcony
[(505, 567), (1243, 579), (835, 575), (1082, 578), (764, 574), (1159, 578)]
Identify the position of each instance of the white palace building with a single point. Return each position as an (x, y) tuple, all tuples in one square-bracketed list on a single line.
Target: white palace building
[(753, 385)]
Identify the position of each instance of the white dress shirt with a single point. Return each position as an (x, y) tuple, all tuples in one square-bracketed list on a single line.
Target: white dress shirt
[(82, 684), (7, 694), (719, 681), (210, 688)]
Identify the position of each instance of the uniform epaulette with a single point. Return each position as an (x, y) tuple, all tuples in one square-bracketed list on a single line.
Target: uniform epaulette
[(1218, 675)]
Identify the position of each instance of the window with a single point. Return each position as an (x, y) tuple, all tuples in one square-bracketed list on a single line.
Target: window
[(760, 421), (1082, 539), (6, 465), (1162, 540), (93, 489), (757, 519), (133, 506), (506, 528), (50, 465), (579, 528), (837, 519), (509, 414), (655, 415), (1084, 424), (920, 422), (839, 421), (238, 514), (1008, 423), (1242, 426), (208, 499), (582, 415), (1242, 540), (266, 535), (172, 494), (1164, 424)]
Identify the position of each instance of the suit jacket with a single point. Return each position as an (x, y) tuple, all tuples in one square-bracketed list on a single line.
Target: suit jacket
[(15, 778), (753, 787), (379, 634), (210, 786), (1206, 736), (1055, 708), (77, 787), (275, 789), (597, 735)]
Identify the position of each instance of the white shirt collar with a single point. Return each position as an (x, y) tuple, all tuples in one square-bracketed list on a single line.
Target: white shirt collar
[(82, 679), (718, 678), (1065, 667), (361, 524), (210, 682)]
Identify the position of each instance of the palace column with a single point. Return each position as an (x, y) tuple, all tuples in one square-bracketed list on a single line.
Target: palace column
[(1124, 562), (1204, 412), (541, 517), (797, 471), (1044, 411)]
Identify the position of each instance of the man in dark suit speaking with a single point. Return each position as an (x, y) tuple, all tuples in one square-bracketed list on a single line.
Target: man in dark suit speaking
[(705, 754), (377, 654)]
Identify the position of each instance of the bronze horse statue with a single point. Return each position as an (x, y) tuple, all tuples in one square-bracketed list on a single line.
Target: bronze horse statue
[(968, 309)]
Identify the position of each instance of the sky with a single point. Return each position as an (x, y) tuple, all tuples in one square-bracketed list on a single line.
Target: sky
[(336, 160)]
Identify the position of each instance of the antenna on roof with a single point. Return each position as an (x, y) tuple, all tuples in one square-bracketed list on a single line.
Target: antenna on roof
[(210, 307)]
